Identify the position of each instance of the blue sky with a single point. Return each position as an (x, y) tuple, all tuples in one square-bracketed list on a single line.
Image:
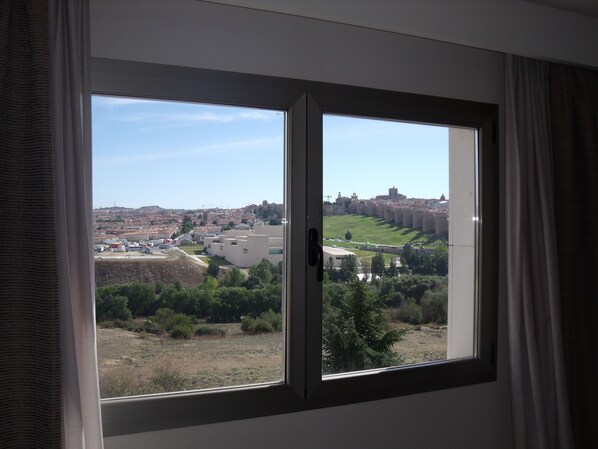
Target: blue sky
[(191, 156)]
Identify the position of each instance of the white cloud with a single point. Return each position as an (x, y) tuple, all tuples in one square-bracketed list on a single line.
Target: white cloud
[(118, 101), (206, 150)]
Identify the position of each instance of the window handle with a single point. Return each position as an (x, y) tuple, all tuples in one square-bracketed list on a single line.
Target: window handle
[(315, 255)]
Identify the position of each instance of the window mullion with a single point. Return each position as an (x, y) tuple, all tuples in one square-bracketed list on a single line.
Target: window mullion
[(313, 365)]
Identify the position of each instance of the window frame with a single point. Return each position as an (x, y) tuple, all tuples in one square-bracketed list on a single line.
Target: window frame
[(305, 102)]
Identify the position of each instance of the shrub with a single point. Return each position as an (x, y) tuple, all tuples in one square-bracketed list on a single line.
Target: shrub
[(410, 312), (434, 306), (112, 307), (180, 332), (267, 322), (167, 319), (213, 268), (168, 379), (210, 331)]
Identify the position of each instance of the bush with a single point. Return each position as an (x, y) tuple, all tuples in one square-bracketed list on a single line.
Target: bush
[(112, 307), (168, 379), (210, 331), (180, 332), (167, 319), (410, 312), (267, 322), (434, 306)]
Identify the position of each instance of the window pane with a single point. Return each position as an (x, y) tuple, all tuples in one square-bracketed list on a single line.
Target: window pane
[(189, 239), (392, 294)]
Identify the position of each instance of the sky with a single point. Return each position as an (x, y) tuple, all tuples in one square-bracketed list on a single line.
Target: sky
[(193, 156)]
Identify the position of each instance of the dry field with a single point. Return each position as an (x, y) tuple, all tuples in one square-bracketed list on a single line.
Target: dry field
[(132, 363)]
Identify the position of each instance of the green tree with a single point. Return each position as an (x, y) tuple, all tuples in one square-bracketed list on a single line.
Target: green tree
[(348, 235), (392, 268), (213, 268), (356, 335), (378, 265), (348, 270), (233, 278), (187, 225), (110, 307), (260, 274)]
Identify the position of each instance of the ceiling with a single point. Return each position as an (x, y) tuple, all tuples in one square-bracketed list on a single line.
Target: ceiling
[(555, 30), (583, 7)]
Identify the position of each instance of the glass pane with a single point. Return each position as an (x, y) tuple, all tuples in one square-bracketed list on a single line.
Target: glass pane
[(391, 294), (189, 241)]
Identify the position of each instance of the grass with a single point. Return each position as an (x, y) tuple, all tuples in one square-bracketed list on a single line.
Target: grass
[(373, 230), (192, 250), (220, 261)]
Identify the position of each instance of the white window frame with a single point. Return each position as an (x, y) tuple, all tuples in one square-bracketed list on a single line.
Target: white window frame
[(305, 102)]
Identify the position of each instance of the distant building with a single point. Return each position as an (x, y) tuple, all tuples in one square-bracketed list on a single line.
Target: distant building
[(336, 254), (393, 195), (245, 248)]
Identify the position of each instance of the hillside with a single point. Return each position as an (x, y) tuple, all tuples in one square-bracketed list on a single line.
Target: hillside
[(372, 229), (167, 271)]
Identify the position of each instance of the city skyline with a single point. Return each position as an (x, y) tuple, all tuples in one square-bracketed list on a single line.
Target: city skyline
[(192, 156)]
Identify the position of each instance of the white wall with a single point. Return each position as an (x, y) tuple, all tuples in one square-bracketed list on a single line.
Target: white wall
[(191, 33)]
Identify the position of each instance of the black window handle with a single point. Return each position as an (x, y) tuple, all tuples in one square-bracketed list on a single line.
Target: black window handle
[(315, 256)]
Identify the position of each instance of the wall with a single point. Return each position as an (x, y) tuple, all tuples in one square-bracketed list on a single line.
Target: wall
[(520, 27), (192, 33)]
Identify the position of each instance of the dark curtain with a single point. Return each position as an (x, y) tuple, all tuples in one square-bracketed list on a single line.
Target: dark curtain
[(30, 365), (574, 128)]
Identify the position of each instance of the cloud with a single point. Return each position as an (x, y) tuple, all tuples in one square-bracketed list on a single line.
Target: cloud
[(161, 115), (118, 101), (205, 150)]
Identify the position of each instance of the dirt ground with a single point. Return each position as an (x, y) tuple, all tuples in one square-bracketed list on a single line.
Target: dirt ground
[(132, 363)]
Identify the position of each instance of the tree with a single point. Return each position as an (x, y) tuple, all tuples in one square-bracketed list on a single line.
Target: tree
[(366, 270), (233, 278), (392, 268), (348, 270), (355, 333), (187, 225), (378, 265), (213, 268), (260, 274), (330, 270), (110, 307), (348, 235)]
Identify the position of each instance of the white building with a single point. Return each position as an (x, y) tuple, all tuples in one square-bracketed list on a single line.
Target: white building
[(336, 254), (245, 248)]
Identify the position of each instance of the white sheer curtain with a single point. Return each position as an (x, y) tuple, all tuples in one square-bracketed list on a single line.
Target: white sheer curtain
[(539, 395), (71, 97)]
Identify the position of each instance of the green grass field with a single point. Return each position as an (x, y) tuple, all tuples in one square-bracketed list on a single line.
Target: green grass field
[(373, 230)]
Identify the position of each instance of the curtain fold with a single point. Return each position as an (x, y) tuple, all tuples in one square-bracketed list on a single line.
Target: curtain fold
[(71, 113), (574, 128), (539, 395), (49, 394), (30, 383)]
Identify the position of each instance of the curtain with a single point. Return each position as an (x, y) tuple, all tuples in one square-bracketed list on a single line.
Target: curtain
[(48, 378), (71, 113), (30, 383), (539, 394), (574, 128)]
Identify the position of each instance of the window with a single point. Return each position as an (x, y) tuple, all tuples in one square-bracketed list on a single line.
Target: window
[(312, 254)]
